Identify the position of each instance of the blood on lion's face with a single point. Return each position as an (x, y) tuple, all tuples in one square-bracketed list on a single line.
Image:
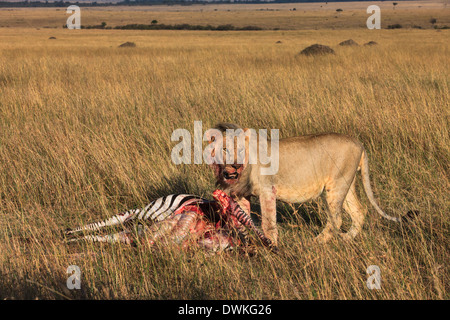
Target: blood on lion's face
[(230, 170)]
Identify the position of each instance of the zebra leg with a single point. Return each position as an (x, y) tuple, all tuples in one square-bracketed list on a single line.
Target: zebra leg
[(157, 210), (96, 226), (121, 237)]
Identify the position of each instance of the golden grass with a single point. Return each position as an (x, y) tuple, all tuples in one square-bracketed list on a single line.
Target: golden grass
[(85, 132)]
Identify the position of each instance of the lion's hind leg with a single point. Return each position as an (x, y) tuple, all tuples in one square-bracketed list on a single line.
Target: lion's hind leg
[(334, 199), (326, 233), (334, 221), (357, 213)]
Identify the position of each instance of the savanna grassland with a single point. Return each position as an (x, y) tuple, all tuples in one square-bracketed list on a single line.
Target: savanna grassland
[(85, 132)]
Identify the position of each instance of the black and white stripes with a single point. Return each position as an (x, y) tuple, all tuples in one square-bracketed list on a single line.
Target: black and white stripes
[(157, 210), (243, 218)]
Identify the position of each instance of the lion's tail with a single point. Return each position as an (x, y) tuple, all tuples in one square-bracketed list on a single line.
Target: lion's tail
[(364, 164)]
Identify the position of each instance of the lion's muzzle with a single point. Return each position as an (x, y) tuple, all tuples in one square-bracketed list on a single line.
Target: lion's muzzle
[(232, 172)]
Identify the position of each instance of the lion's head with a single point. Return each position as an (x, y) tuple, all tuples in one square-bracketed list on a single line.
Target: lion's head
[(230, 170)]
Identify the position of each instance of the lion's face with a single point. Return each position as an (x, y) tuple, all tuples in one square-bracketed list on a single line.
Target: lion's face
[(234, 164), (228, 173)]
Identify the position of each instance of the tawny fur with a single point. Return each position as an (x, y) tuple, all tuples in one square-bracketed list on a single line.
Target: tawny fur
[(309, 166)]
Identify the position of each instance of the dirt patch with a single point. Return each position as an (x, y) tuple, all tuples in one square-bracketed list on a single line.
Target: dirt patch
[(348, 42), (128, 45), (317, 49)]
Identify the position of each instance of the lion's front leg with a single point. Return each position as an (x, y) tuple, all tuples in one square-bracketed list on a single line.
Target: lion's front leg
[(267, 200)]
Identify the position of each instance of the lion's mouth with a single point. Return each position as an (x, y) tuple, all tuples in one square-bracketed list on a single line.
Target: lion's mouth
[(230, 175)]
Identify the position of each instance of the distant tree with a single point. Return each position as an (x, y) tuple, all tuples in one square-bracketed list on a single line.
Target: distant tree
[(154, 21), (103, 24), (339, 10), (433, 20), (395, 3)]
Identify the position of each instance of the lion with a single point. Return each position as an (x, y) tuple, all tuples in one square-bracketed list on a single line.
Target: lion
[(309, 166)]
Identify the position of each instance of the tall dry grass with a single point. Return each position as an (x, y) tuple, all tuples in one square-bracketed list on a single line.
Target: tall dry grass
[(85, 133)]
